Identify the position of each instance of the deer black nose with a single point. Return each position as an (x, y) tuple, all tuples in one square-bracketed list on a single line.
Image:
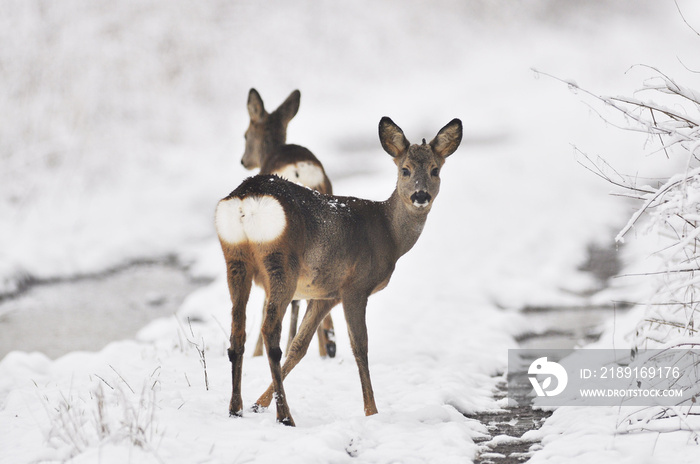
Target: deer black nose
[(243, 163), (421, 198)]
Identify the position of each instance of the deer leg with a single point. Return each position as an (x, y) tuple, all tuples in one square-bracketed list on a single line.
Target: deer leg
[(272, 333), (239, 287), (326, 337), (280, 289), (293, 323), (315, 312), (354, 309)]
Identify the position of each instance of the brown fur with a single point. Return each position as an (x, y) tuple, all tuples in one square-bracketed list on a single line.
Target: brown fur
[(333, 249)]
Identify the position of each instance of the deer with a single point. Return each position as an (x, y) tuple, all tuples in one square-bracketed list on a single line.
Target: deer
[(266, 149), (301, 244)]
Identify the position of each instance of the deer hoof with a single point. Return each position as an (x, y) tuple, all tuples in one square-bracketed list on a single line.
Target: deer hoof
[(330, 349), (288, 421), (330, 342), (258, 408), (235, 409)]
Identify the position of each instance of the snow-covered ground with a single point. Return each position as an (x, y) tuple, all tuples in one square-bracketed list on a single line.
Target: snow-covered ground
[(122, 126)]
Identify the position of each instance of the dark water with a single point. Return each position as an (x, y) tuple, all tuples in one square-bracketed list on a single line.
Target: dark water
[(88, 313)]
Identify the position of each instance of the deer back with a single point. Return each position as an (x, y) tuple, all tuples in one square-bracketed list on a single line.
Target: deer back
[(297, 164), (332, 243)]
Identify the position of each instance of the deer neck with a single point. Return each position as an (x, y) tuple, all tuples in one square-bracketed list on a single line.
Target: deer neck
[(268, 149), (406, 222)]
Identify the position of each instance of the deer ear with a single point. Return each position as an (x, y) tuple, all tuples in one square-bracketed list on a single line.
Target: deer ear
[(256, 108), (392, 138), (288, 109), (448, 139)]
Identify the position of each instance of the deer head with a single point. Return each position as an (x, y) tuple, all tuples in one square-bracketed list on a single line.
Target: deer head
[(266, 131), (419, 165)]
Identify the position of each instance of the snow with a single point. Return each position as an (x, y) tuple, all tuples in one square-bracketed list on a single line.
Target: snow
[(123, 126)]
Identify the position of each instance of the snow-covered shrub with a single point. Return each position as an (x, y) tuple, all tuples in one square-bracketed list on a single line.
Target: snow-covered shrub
[(671, 210), (668, 114)]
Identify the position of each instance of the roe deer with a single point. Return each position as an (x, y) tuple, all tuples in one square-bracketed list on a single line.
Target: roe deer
[(266, 148), (298, 243)]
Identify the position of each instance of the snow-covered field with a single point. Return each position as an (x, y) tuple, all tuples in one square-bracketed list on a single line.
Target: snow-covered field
[(122, 125)]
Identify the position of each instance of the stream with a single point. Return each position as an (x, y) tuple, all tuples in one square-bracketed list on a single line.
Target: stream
[(559, 328), (61, 316), (564, 328)]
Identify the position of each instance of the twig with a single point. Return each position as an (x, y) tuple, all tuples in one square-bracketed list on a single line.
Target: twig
[(651, 110), (202, 357), (684, 20), (600, 173), (105, 382), (122, 379)]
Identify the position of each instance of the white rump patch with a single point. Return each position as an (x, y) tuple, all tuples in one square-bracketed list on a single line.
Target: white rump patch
[(255, 219), (305, 173), (228, 221)]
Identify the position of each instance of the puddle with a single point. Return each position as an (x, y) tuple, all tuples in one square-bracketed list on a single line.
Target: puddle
[(87, 313)]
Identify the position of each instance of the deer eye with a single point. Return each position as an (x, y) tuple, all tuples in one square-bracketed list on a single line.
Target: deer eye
[(435, 172), (405, 172)]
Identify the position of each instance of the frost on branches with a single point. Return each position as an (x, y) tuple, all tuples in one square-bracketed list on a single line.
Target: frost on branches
[(673, 213), (670, 113)]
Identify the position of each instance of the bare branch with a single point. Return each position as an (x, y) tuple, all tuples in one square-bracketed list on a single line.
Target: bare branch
[(684, 20)]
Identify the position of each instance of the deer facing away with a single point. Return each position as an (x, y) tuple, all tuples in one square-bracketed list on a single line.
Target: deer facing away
[(266, 149), (298, 243)]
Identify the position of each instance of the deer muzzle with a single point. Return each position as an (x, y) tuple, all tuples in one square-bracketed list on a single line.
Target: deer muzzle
[(421, 199)]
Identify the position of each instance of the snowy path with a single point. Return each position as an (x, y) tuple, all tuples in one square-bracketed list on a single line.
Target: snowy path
[(481, 423), (559, 328)]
